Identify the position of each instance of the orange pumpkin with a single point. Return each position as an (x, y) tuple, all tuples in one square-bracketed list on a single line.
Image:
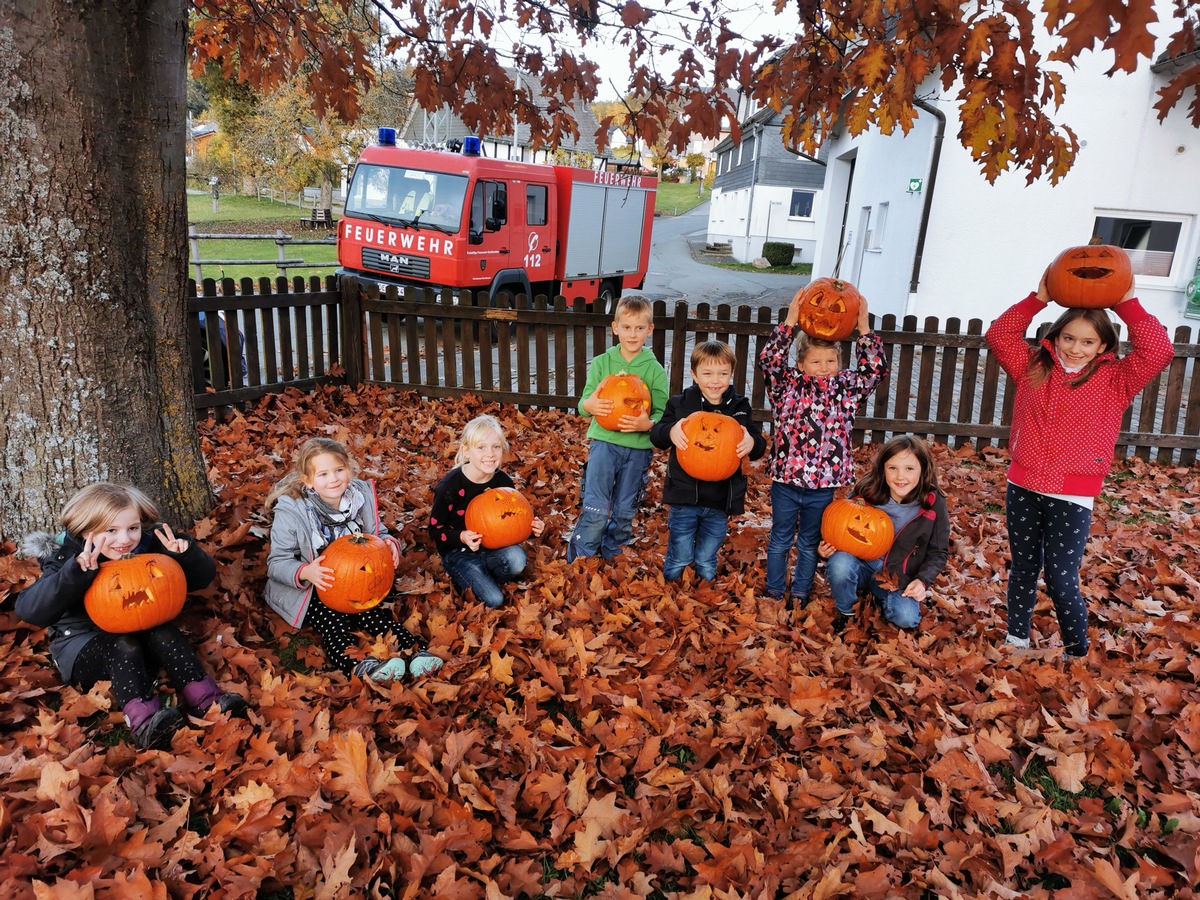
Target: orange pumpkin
[(363, 572), (857, 528), (711, 453), (629, 395), (501, 515), (136, 593), (1096, 276), (829, 308)]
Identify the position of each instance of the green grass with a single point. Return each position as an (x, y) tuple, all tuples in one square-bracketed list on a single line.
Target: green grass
[(237, 208), (673, 199), (793, 269)]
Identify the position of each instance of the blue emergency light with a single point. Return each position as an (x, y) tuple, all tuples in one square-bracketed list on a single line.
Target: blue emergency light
[(387, 137), (471, 145)]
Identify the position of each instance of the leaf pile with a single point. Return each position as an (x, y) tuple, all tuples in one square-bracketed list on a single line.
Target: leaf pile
[(607, 735)]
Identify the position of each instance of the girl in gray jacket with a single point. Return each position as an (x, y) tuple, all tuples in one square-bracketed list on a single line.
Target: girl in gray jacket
[(320, 500)]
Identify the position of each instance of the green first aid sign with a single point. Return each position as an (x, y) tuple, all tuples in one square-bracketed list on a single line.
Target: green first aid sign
[(1192, 295)]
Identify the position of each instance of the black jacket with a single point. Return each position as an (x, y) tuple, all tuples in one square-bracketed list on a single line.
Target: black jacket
[(922, 547), (729, 495)]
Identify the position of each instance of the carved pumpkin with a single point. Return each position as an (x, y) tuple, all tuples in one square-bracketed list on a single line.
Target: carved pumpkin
[(857, 528), (711, 453), (136, 593), (1096, 276), (501, 515), (363, 572), (629, 395), (829, 308)]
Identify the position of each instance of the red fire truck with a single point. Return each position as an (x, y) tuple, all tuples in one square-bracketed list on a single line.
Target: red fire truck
[(469, 222)]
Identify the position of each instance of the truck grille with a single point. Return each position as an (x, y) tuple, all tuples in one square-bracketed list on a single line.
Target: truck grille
[(396, 263)]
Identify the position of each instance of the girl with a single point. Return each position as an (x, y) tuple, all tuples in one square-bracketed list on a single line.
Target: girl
[(903, 483), (108, 521), (1072, 390), (813, 405), (481, 449), (318, 501)]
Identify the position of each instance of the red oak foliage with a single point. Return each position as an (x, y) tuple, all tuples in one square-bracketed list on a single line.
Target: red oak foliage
[(608, 735)]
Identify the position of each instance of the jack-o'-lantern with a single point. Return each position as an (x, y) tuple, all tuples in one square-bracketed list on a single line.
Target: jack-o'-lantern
[(1095, 276), (857, 528), (629, 395), (363, 572), (136, 593), (502, 515), (828, 308), (711, 453)]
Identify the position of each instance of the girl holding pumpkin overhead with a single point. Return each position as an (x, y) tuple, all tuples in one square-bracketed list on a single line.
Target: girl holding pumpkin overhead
[(471, 558), (705, 484), (317, 503), (902, 485), (104, 522), (813, 404), (1072, 391)]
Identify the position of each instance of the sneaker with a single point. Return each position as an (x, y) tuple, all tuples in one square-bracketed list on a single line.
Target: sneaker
[(157, 730), (233, 705), (839, 623), (423, 663)]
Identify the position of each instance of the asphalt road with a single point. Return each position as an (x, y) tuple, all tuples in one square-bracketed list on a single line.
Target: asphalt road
[(675, 273)]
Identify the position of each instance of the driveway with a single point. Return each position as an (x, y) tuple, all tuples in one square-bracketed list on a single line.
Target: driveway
[(677, 274)]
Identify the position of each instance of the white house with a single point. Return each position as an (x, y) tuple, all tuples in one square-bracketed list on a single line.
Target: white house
[(922, 233)]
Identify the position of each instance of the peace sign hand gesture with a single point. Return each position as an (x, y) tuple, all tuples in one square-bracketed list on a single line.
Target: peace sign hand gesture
[(167, 538)]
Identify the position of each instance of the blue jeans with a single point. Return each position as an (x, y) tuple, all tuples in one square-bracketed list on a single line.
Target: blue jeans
[(795, 511), (694, 535), (483, 571), (612, 489), (847, 575)]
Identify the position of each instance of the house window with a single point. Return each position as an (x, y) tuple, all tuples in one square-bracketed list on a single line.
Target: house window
[(802, 205), (878, 226), (726, 160), (535, 204), (1151, 242), (749, 147)]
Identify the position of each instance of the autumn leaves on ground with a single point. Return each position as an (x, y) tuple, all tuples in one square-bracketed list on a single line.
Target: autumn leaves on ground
[(606, 735)]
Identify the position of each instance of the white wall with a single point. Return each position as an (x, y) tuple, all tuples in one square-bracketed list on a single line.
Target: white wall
[(768, 218)]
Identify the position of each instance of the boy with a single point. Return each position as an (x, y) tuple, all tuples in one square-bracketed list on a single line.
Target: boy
[(618, 461), (700, 510)]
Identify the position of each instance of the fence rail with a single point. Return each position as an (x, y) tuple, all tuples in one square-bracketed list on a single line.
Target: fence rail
[(944, 383), (282, 262)]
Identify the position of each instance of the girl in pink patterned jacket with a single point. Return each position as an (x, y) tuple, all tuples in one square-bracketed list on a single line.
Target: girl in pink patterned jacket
[(813, 405)]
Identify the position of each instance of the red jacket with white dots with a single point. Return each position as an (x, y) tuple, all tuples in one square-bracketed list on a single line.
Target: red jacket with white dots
[(1063, 435)]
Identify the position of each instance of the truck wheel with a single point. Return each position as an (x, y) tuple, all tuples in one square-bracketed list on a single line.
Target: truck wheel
[(608, 294)]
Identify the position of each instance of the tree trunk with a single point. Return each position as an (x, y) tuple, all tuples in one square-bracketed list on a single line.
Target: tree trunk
[(94, 372)]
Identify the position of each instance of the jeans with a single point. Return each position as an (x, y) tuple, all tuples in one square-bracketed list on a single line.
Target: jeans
[(794, 511), (483, 571), (848, 575), (694, 535), (612, 489)]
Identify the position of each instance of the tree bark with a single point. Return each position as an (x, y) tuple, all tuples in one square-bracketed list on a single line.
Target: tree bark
[(94, 381)]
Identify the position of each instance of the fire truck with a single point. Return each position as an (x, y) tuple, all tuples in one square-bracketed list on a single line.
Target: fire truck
[(469, 222)]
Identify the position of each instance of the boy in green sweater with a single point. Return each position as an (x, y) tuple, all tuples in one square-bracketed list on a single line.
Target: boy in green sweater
[(618, 461)]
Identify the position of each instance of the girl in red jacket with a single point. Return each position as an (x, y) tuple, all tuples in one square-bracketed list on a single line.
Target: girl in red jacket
[(1072, 390)]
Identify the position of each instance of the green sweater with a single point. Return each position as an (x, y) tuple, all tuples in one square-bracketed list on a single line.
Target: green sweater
[(646, 367)]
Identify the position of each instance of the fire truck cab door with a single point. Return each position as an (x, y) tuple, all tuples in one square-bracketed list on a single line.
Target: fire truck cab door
[(533, 228)]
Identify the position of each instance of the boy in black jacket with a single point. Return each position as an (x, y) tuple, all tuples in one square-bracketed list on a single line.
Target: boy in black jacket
[(700, 510)]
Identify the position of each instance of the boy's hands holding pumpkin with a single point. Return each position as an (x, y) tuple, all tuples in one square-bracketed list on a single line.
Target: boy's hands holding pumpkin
[(640, 422), (316, 574), (745, 445), (678, 438), (594, 406)]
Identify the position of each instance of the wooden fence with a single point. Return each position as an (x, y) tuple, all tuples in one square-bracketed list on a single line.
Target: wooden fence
[(943, 384)]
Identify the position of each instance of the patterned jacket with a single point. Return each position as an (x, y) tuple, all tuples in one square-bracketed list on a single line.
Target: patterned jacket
[(812, 417)]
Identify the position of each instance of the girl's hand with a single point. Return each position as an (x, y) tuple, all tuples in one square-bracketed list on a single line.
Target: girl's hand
[(864, 317), (1042, 293), (678, 438), (395, 553), (538, 527), (916, 589), (745, 445), (94, 546), (826, 549), (317, 575), (793, 313), (167, 538), (471, 539)]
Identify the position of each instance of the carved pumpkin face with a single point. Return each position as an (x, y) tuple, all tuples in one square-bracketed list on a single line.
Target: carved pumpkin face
[(711, 453), (828, 308), (363, 573), (1096, 276), (857, 528), (629, 395), (501, 515), (136, 593)]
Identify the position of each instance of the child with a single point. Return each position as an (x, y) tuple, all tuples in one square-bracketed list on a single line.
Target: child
[(618, 461), (903, 483), (698, 518), (1072, 390), (481, 449), (812, 410), (108, 521), (321, 500)]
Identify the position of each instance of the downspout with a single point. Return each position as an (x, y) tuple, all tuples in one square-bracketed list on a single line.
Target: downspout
[(934, 160), (753, 187)]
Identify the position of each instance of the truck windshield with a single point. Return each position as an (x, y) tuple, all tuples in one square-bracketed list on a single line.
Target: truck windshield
[(407, 196)]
